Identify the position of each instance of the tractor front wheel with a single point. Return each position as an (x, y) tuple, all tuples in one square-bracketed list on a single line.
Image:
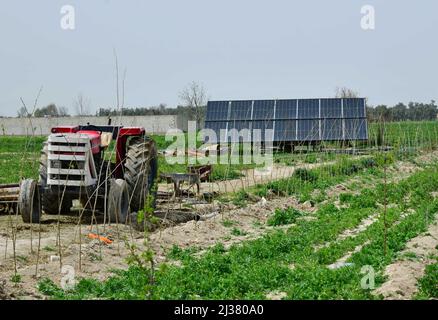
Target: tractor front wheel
[(118, 201), (29, 203)]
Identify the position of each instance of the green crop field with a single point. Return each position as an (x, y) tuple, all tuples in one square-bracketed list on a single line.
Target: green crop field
[(252, 269), (19, 152), (328, 230), (406, 134)]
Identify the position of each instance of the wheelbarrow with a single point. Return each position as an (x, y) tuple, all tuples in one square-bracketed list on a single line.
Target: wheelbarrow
[(178, 178)]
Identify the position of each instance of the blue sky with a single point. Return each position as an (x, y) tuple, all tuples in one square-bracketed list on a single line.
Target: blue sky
[(241, 49)]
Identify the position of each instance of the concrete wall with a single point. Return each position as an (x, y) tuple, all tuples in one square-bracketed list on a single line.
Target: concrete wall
[(42, 126)]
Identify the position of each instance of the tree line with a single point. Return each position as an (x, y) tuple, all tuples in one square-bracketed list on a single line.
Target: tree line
[(50, 110), (161, 110), (194, 100), (413, 111), (53, 111)]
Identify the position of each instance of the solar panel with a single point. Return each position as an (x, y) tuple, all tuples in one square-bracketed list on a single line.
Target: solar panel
[(308, 109), (239, 124), (263, 110), (285, 130), (263, 125), (354, 108), (331, 129), (217, 126), (355, 129), (331, 108), (286, 109), (308, 130), (292, 119), (239, 131), (217, 110), (241, 110)]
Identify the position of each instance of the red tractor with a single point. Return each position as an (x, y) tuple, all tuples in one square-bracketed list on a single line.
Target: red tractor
[(75, 166)]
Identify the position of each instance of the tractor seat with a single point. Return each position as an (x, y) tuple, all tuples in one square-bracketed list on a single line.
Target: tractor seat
[(105, 139)]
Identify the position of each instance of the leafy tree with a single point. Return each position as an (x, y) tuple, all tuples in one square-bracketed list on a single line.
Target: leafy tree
[(414, 111)]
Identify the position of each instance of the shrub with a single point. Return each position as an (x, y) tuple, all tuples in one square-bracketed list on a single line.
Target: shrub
[(175, 253), (240, 198), (283, 217), (429, 283), (349, 169), (228, 223), (368, 163), (345, 197), (363, 201), (311, 158), (328, 209), (237, 232), (305, 175)]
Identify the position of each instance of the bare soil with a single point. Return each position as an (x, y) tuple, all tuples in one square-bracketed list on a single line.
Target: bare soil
[(403, 274), (39, 251)]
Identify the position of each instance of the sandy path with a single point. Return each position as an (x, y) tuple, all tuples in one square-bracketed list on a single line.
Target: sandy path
[(404, 273), (252, 177)]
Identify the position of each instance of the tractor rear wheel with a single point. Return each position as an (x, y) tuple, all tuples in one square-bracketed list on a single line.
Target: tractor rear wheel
[(141, 171), (51, 200)]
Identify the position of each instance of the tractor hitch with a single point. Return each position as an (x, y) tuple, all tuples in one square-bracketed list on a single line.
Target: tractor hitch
[(9, 194), (21, 199)]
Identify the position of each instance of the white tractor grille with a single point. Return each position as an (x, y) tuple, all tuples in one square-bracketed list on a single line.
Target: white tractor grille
[(70, 160)]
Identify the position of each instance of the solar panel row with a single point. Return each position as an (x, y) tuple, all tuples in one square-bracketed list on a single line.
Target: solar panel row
[(290, 120)]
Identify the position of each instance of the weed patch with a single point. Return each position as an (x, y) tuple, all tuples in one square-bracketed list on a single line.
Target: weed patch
[(283, 217)]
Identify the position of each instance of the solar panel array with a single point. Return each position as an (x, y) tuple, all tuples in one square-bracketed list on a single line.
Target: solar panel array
[(300, 120)]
